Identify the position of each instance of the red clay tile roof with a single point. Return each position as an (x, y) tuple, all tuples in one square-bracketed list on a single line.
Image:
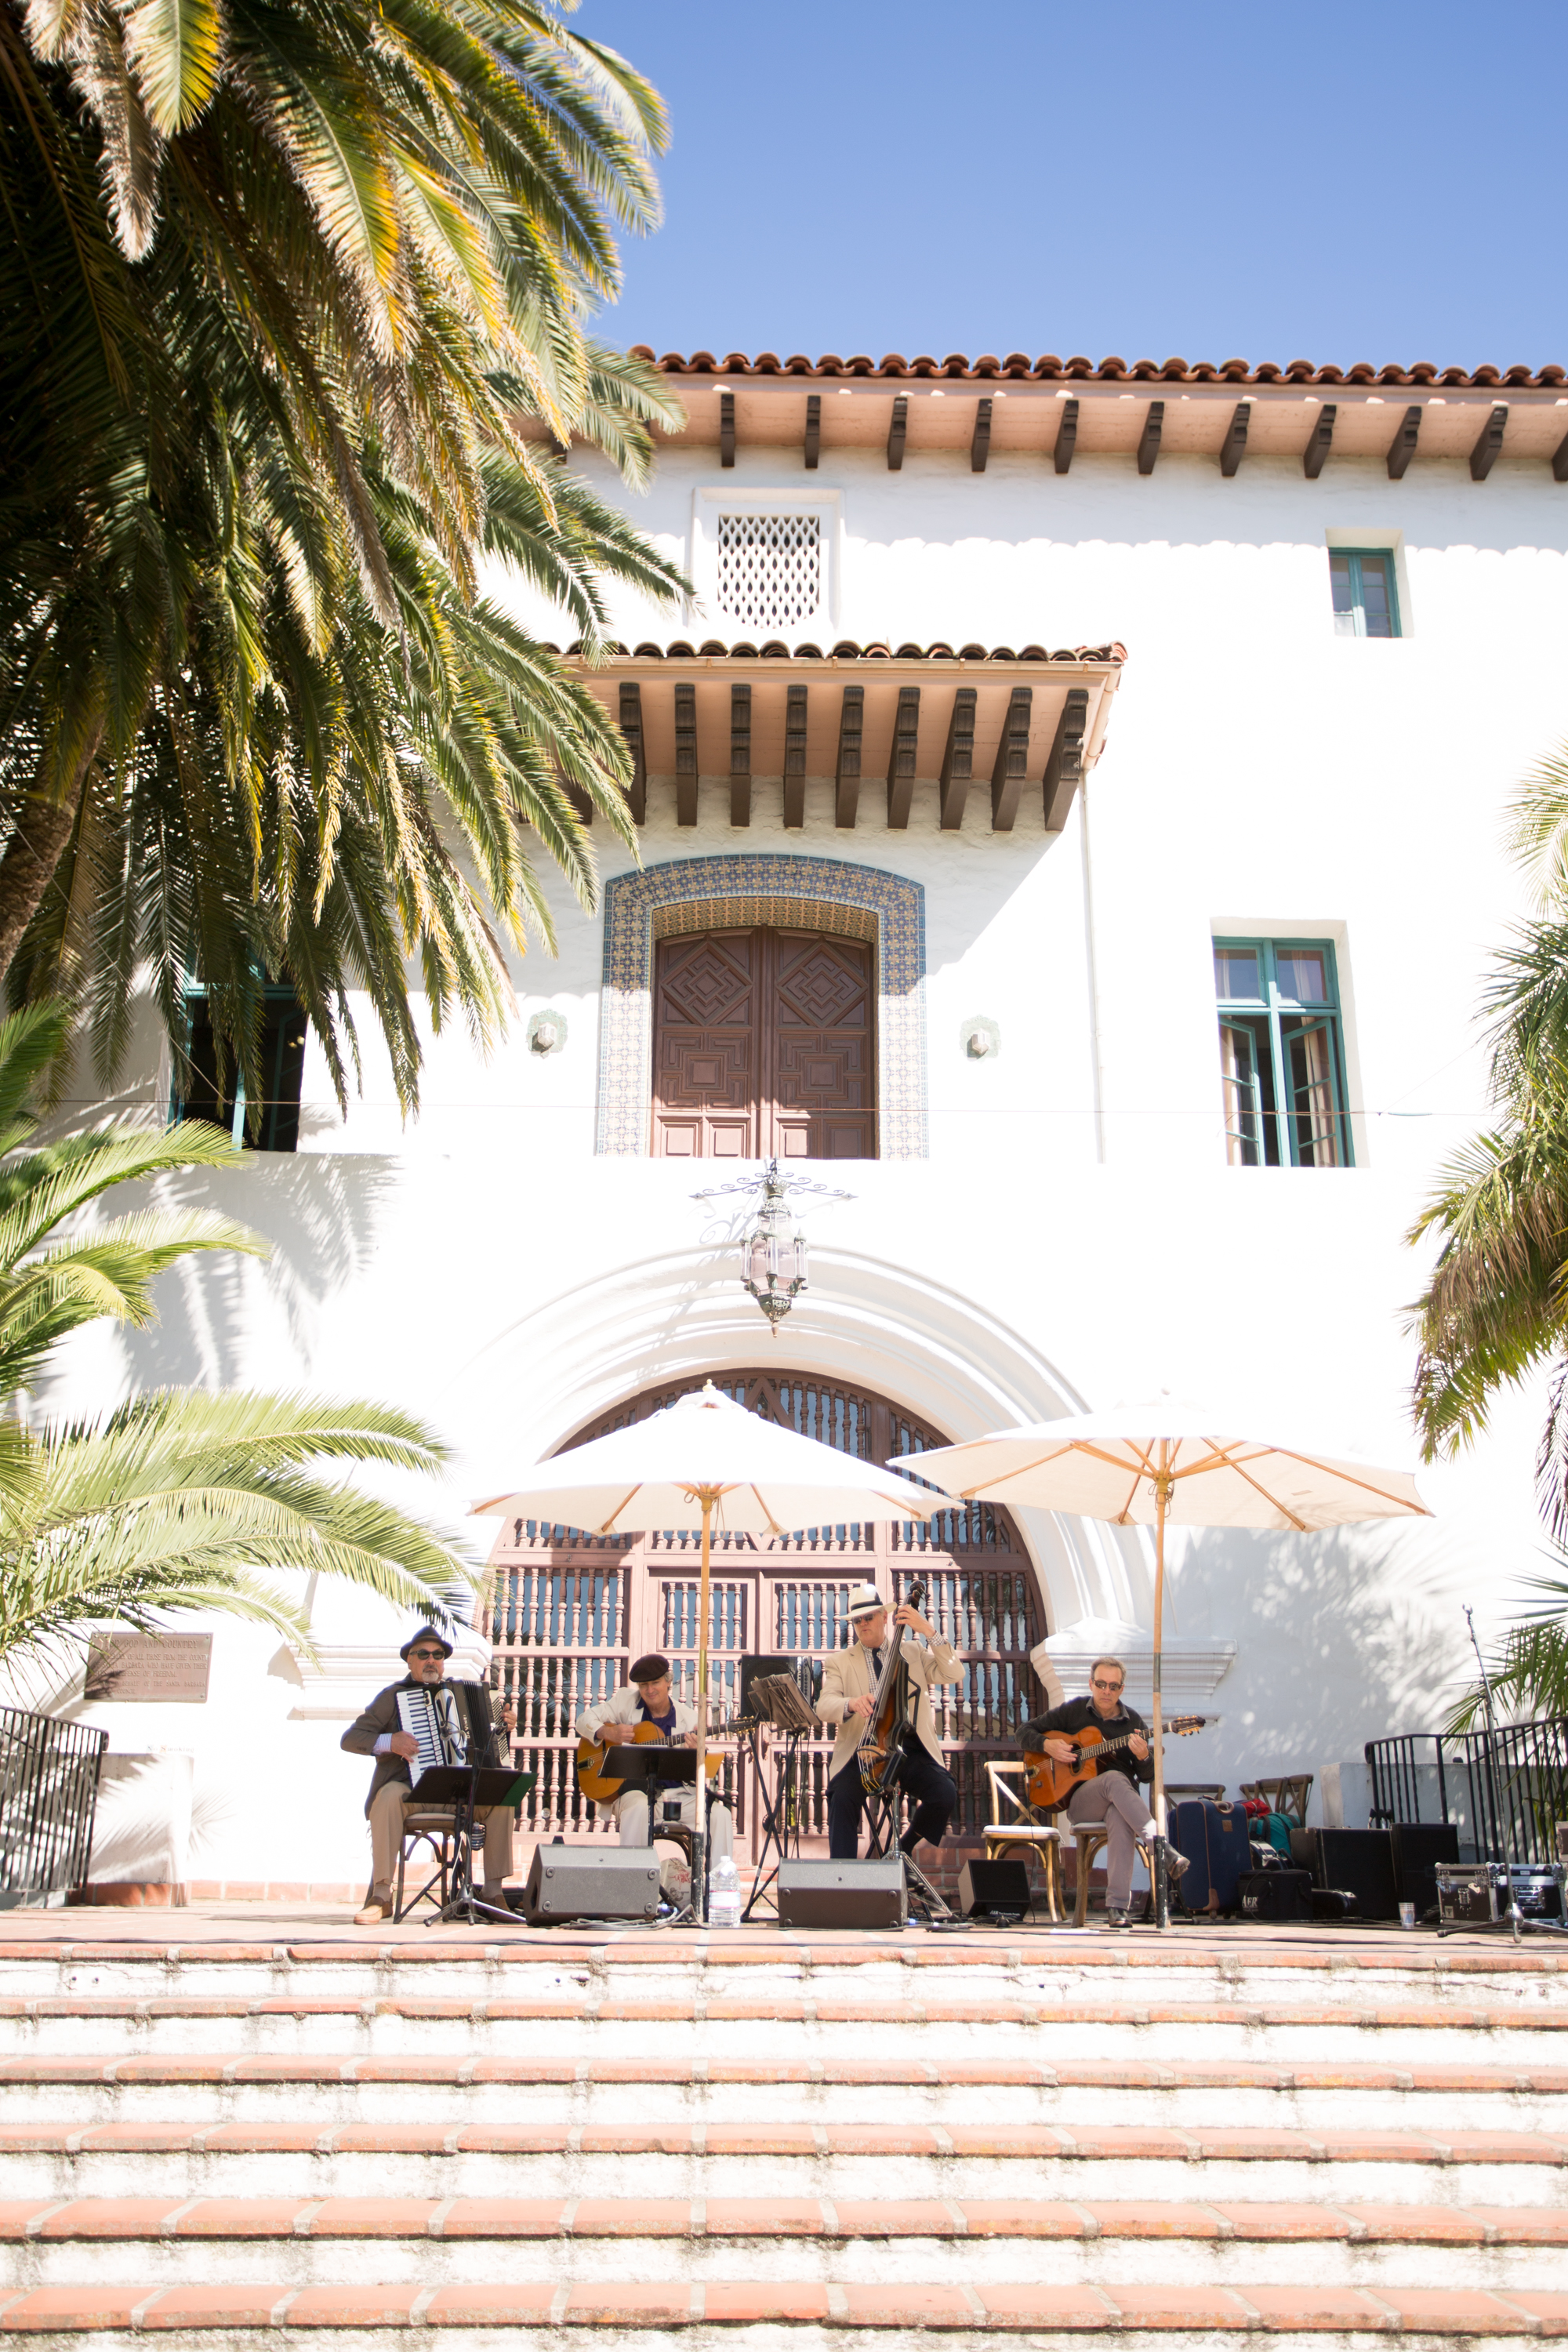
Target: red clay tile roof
[(1052, 370), (847, 649)]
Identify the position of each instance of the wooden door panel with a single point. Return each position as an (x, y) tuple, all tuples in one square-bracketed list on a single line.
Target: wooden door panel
[(707, 1046), (820, 1048)]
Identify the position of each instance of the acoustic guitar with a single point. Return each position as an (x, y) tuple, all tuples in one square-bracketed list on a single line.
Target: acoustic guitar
[(1051, 1784), (597, 1774)]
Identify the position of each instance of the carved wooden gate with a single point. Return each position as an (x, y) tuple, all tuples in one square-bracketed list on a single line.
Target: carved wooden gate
[(567, 1612)]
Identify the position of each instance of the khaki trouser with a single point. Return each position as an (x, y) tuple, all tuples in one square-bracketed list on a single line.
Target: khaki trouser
[(1111, 1797), (631, 1814), (395, 1798)]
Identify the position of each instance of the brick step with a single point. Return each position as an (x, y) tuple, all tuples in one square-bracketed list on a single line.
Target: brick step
[(260, 2315)]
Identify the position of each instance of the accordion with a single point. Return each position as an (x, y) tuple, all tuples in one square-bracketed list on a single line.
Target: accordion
[(436, 1722)]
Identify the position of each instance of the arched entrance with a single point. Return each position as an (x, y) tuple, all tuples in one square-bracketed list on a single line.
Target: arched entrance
[(567, 1612)]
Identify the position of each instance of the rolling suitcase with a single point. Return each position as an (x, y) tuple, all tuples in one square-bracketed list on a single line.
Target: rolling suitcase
[(1213, 1839)]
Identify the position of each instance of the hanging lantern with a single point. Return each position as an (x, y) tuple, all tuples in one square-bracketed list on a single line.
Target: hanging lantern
[(773, 1251)]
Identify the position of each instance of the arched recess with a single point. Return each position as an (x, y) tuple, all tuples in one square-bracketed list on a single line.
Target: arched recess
[(696, 894), (567, 1612)]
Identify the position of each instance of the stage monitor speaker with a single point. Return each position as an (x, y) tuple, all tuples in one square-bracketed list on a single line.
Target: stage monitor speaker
[(587, 1882), (844, 1894), (1361, 1862), (990, 1889), (1419, 1848)]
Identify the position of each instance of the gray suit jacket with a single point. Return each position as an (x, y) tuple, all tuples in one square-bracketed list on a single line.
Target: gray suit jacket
[(381, 1716)]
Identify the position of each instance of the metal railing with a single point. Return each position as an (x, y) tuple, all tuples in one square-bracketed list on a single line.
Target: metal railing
[(1509, 1786), (48, 1789)]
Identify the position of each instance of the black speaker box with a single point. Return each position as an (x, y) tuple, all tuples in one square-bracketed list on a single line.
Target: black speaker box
[(588, 1882), (1361, 1862), (1419, 1848), (844, 1894), (985, 1888), (1276, 1895)]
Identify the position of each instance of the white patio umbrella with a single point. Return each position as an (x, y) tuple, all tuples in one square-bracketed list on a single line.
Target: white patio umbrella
[(1166, 1463), (706, 1460)]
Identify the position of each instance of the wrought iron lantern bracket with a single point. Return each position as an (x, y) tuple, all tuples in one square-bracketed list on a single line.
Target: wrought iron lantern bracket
[(773, 1259)]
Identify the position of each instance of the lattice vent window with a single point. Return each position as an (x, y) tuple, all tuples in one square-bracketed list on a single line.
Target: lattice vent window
[(770, 569)]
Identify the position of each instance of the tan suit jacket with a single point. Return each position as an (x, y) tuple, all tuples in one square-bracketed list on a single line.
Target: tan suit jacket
[(847, 1673)]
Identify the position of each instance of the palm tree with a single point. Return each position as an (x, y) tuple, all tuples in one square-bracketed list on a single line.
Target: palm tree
[(181, 1500), (1494, 1309), (260, 413)]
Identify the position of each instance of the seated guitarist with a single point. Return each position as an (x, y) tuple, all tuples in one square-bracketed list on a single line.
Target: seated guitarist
[(1114, 1795), (647, 1698)]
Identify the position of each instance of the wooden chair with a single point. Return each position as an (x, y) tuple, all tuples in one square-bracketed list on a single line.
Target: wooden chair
[(1024, 1827), (1287, 1795), (439, 1832), (1090, 1836)]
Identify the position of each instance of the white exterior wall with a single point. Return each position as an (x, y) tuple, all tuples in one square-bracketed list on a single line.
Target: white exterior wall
[(1260, 775)]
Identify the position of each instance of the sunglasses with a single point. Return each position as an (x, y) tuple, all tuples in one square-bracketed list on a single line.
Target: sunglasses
[(1099, 1684), (426, 1653)]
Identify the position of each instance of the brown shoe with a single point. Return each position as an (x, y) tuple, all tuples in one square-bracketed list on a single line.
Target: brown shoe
[(379, 1907)]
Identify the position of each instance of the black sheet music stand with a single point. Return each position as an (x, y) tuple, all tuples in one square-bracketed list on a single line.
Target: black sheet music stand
[(778, 1699), (467, 1787)]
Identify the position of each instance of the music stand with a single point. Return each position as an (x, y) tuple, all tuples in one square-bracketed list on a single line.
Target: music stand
[(467, 1787), (779, 1700)]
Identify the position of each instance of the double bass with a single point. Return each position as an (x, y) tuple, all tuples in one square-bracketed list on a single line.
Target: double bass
[(892, 1719)]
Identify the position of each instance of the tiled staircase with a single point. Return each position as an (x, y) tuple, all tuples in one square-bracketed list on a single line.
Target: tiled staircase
[(771, 2140)]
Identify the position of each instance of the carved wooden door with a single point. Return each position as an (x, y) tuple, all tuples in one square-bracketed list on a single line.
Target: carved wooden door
[(763, 1043)]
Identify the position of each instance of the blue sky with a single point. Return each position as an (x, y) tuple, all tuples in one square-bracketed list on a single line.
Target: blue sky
[(1381, 182)]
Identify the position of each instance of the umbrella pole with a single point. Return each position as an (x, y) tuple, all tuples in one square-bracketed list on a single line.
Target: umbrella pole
[(700, 1829), (1162, 1891)]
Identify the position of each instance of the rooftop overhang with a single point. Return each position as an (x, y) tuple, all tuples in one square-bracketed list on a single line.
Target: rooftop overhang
[(1063, 410), (979, 733)]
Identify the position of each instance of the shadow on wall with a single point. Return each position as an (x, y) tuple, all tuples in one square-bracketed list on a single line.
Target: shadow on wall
[(318, 1211), (1342, 1637)]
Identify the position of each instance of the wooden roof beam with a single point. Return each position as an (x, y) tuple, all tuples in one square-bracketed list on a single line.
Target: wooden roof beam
[(1560, 460), (1402, 448), (1064, 769), (1234, 446), (813, 430), (897, 430), (901, 758), (846, 776), (795, 758), (1488, 448), (958, 760), (685, 755), (1319, 441), (980, 444), (1012, 759), (740, 755), (1149, 439), (726, 428), (1066, 436), (631, 728)]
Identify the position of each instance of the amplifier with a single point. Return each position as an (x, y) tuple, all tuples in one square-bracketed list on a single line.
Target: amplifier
[(1469, 1894), (843, 1894), (1538, 1889), (1419, 1848), (1361, 1862), (586, 1882), (993, 1890)]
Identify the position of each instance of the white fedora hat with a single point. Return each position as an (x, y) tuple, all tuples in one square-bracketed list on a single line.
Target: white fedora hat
[(864, 1601)]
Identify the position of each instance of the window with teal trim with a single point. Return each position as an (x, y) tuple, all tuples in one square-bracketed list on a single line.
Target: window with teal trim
[(273, 1123), (1366, 601), (1281, 1054)]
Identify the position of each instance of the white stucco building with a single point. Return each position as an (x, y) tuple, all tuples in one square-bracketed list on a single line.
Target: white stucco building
[(1011, 691)]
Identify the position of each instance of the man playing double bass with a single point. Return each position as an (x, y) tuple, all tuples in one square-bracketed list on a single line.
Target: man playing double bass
[(848, 1697)]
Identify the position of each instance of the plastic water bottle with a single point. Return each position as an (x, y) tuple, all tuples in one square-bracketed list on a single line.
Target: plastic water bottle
[(723, 1895)]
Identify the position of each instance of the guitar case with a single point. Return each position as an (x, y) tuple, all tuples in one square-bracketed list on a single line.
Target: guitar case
[(1213, 1839)]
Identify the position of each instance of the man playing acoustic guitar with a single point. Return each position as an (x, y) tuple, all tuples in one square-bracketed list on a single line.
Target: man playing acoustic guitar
[(1113, 1795), (647, 1698)]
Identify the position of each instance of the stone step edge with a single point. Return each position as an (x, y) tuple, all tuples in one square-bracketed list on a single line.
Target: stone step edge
[(123, 2219), (1171, 2075), (1030, 2142), (826, 2009), (1274, 2308), (1130, 1950)]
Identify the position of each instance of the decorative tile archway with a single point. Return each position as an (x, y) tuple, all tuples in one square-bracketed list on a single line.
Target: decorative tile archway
[(694, 893)]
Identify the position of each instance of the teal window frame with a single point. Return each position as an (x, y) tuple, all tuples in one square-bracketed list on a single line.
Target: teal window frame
[(276, 1107), (1259, 1132), (1353, 558)]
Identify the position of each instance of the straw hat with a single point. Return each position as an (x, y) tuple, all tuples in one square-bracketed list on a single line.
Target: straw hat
[(864, 1601)]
